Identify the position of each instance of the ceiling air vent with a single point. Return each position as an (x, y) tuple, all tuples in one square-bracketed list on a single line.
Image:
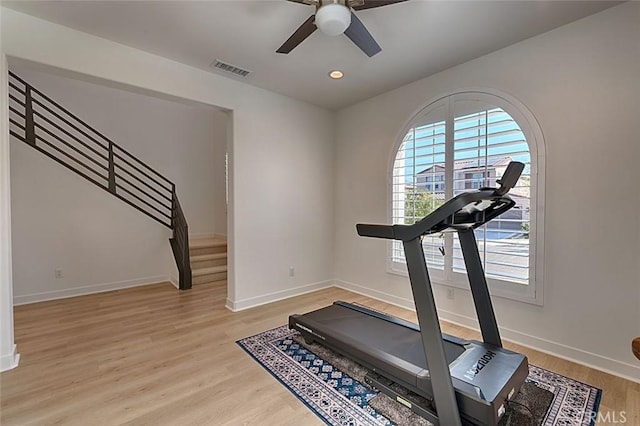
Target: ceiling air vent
[(218, 64)]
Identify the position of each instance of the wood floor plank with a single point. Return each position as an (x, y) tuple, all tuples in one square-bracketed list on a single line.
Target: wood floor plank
[(155, 356)]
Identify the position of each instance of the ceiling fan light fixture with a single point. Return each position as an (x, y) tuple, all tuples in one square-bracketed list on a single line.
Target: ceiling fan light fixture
[(333, 19)]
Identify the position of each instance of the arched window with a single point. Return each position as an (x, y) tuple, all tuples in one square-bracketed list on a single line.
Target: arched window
[(463, 142)]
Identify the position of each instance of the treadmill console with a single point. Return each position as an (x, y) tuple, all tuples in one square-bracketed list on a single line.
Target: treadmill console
[(467, 210)]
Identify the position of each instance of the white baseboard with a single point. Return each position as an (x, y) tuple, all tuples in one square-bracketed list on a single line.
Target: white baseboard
[(579, 356), (252, 302), (10, 360), (81, 291), (217, 236), (175, 282), (379, 295)]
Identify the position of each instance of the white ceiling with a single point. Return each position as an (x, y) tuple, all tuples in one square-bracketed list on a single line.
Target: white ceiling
[(418, 37)]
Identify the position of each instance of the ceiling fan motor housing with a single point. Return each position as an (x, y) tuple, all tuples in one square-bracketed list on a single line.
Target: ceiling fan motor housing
[(333, 17)]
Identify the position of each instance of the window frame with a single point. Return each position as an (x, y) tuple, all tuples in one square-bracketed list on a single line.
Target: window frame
[(533, 291)]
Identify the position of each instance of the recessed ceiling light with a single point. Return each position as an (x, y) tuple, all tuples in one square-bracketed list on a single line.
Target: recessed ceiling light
[(336, 74)]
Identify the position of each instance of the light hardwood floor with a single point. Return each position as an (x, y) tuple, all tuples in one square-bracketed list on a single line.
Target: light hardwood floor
[(155, 356)]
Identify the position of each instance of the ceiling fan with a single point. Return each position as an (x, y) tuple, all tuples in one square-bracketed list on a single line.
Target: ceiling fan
[(335, 17)]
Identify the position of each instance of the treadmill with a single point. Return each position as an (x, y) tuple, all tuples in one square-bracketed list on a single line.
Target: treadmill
[(456, 381)]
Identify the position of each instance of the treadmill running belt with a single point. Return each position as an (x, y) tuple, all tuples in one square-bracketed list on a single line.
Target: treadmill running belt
[(375, 333)]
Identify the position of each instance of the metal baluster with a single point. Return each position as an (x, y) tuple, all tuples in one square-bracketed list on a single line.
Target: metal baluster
[(112, 170), (30, 130)]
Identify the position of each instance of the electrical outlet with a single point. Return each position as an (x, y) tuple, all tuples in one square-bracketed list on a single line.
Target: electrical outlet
[(58, 273), (292, 271), (450, 293)]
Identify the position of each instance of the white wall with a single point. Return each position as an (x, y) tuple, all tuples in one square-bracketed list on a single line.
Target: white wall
[(8, 354), (581, 83), (219, 190), (281, 186), (61, 221)]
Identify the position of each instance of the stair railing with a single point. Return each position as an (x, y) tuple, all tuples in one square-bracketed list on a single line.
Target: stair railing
[(42, 123)]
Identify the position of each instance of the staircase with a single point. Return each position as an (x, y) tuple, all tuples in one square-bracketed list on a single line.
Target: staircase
[(49, 128), (208, 258)]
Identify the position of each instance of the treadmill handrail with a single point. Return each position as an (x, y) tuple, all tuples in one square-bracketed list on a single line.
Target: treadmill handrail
[(452, 214)]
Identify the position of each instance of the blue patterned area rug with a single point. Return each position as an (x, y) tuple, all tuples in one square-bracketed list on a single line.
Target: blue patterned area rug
[(339, 399)]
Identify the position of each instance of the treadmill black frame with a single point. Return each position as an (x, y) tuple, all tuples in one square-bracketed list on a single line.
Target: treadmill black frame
[(462, 214), (455, 214)]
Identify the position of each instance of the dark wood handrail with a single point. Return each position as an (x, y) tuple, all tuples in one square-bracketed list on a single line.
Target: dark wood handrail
[(59, 134)]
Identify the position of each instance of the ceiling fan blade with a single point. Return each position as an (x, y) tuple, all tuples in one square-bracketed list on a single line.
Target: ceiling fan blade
[(370, 4), (361, 37), (304, 31)]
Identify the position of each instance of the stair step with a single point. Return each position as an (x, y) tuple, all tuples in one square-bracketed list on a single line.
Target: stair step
[(203, 257), (207, 242), (207, 275), (208, 260), (203, 246), (208, 271)]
